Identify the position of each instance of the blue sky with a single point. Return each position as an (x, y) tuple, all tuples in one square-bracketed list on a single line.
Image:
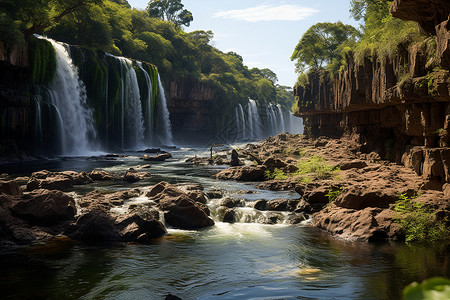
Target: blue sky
[(264, 32)]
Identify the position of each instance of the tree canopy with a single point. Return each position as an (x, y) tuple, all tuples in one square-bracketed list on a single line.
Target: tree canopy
[(170, 10), (321, 44)]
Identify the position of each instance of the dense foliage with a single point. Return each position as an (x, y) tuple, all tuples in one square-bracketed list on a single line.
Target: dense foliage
[(326, 45), (153, 35)]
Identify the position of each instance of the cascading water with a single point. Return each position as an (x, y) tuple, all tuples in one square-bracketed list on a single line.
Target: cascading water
[(276, 119), (132, 119), (166, 133), (148, 113), (68, 96)]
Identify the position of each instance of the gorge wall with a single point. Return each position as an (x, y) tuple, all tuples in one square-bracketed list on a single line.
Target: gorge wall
[(397, 108)]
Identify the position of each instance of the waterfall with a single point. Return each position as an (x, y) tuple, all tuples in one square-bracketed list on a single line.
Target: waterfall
[(148, 113), (166, 134), (238, 124), (242, 119), (132, 120), (68, 96), (282, 124), (276, 119)]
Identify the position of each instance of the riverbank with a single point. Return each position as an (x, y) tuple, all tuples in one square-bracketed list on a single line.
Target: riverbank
[(350, 194)]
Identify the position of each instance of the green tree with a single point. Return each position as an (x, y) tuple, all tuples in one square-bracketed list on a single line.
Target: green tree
[(321, 44), (170, 10)]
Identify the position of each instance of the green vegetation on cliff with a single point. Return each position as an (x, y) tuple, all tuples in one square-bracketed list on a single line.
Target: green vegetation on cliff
[(154, 35)]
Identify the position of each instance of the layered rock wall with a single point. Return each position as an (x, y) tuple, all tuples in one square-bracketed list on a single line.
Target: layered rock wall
[(397, 107)]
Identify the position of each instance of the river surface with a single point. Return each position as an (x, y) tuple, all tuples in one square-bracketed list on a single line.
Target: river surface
[(226, 261)]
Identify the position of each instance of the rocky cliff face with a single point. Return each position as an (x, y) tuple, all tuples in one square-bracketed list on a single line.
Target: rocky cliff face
[(195, 111), (399, 107), (15, 103)]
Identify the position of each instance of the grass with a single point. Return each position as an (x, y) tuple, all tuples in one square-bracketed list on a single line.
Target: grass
[(333, 194), (418, 221), (315, 167)]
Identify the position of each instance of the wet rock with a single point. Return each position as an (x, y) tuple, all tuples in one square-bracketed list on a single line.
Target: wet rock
[(100, 176), (182, 212), (139, 227), (151, 150), (158, 157), (231, 202), (215, 194), (132, 176), (45, 207), (282, 205), (260, 204), (294, 218), (157, 189), (197, 196), (244, 173), (95, 226), (10, 188), (229, 216), (235, 159)]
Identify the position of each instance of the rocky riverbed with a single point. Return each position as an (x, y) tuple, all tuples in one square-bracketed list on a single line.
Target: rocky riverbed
[(339, 189)]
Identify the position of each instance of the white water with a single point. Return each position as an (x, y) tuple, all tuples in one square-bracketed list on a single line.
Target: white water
[(166, 133), (68, 95), (148, 114), (276, 119), (132, 119)]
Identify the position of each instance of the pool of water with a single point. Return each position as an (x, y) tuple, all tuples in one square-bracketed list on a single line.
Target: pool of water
[(226, 261)]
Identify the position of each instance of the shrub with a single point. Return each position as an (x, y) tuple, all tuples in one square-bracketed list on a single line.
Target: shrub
[(419, 222), (333, 194), (275, 174)]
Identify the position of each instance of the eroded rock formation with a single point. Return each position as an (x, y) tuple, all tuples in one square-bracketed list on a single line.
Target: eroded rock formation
[(398, 108)]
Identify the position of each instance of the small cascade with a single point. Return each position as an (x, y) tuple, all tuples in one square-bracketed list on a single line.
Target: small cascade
[(68, 96), (166, 132), (253, 125), (148, 112)]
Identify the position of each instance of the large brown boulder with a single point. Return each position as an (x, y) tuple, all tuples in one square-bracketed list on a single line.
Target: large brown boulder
[(244, 173), (45, 207), (182, 209), (100, 175), (139, 227), (57, 182), (158, 157), (182, 212), (282, 204), (369, 224), (10, 188), (132, 176), (360, 197), (95, 226)]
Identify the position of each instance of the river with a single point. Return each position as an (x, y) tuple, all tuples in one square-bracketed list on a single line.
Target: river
[(226, 261)]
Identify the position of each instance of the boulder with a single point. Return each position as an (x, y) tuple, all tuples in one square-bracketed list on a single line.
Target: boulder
[(158, 157), (197, 196), (100, 175), (244, 173), (95, 226), (368, 224), (10, 188), (215, 194), (182, 212), (57, 182), (360, 197), (282, 204), (260, 204), (132, 176), (231, 202), (229, 216), (235, 159), (272, 163), (139, 227), (45, 207)]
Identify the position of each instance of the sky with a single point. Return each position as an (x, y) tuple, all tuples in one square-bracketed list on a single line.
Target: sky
[(263, 32)]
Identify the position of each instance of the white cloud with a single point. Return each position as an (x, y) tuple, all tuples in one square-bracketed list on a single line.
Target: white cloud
[(268, 13)]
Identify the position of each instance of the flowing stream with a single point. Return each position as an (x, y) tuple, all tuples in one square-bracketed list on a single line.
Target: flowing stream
[(244, 260)]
